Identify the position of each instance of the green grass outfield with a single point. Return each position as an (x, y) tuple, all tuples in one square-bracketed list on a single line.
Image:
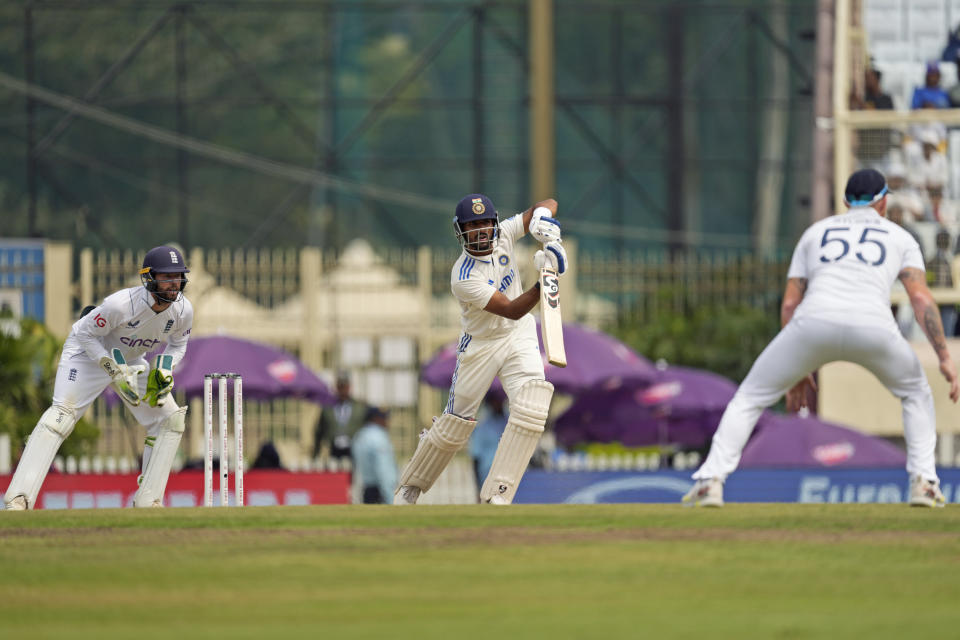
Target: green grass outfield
[(559, 571)]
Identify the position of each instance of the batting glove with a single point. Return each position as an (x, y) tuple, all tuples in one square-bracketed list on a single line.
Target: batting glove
[(543, 227), (159, 381), (552, 256), (123, 376)]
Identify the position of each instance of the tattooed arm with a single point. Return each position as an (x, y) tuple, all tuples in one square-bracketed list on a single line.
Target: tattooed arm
[(928, 315), (801, 394)]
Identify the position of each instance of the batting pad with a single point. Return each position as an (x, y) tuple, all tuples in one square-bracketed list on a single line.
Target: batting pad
[(528, 414), (154, 482), (437, 447), (54, 426)]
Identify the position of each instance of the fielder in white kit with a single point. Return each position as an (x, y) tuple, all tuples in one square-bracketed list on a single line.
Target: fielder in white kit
[(499, 339), (836, 306), (106, 347)]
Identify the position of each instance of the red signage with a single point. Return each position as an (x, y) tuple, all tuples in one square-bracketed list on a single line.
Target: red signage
[(185, 489)]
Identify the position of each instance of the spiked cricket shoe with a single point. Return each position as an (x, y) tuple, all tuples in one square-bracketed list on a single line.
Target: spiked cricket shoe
[(707, 492), (925, 493)]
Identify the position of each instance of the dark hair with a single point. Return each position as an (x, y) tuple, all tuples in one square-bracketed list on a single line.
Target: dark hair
[(375, 413)]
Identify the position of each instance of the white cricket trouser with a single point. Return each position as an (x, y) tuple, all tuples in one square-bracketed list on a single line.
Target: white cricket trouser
[(515, 358), (80, 380), (803, 346)]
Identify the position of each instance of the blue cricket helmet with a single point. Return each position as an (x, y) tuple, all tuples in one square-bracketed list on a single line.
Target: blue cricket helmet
[(163, 259), (475, 206)]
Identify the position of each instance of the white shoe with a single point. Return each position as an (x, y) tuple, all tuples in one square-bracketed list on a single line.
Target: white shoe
[(19, 503), (707, 492), (925, 493), (407, 494), (498, 499)]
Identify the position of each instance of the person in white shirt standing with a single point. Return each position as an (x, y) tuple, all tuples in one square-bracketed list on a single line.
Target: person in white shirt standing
[(499, 339), (375, 463), (106, 347), (836, 306)]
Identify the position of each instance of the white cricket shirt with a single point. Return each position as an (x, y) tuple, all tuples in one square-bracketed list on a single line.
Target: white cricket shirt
[(850, 262), (474, 280), (125, 321)]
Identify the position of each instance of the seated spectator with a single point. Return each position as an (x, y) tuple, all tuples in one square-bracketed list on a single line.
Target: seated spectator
[(931, 95), (895, 215), (954, 92), (873, 145), (951, 52), (940, 209), (940, 275), (873, 95), (926, 162), (902, 195)]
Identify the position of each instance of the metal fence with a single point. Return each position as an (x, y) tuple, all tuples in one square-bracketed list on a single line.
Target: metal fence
[(643, 282), (609, 290)]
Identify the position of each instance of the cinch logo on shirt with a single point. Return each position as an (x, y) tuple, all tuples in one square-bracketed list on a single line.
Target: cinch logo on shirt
[(149, 343)]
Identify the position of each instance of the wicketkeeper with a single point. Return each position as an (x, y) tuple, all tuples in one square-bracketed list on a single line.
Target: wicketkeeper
[(499, 339), (106, 347)]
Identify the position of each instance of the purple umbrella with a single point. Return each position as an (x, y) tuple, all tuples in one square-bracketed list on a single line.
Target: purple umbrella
[(794, 441), (268, 372), (681, 406), (592, 357)]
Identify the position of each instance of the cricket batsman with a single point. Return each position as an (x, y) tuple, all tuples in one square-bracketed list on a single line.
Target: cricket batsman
[(499, 339), (106, 347)]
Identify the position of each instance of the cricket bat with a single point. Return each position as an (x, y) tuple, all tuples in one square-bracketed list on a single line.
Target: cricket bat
[(551, 322)]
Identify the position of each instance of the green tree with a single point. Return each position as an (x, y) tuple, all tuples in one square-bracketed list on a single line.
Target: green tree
[(28, 366), (722, 338)]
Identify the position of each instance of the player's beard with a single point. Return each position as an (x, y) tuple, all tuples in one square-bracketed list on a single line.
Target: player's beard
[(482, 246), (166, 297)]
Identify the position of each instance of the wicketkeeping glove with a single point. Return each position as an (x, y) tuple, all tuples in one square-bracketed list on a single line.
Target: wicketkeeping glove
[(552, 256), (159, 381), (123, 376), (543, 227)]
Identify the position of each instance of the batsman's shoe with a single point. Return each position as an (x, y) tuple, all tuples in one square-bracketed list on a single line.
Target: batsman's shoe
[(925, 493), (707, 492), (19, 503), (407, 494)]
